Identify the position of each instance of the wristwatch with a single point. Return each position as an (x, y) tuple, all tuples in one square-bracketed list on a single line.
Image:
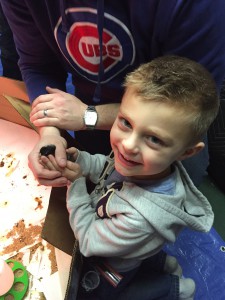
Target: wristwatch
[(90, 117)]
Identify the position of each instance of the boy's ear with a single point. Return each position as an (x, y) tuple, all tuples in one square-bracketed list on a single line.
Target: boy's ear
[(192, 151)]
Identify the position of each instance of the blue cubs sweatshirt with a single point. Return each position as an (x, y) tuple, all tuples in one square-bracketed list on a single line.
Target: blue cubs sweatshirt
[(98, 42)]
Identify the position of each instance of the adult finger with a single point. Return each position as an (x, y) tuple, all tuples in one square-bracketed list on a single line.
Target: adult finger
[(51, 90), (41, 173), (48, 164), (57, 182), (41, 99), (42, 113), (60, 154), (48, 121)]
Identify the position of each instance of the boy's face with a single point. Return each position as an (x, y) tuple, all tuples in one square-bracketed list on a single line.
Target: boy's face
[(147, 137)]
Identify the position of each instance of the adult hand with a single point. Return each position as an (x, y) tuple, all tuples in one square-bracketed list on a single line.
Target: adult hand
[(43, 175), (58, 109)]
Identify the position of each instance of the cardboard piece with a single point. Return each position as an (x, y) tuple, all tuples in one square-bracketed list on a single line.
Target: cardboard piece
[(56, 229), (14, 102), (13, 88)]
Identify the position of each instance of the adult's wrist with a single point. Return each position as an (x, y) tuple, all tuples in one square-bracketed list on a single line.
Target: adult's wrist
[(48, 130)]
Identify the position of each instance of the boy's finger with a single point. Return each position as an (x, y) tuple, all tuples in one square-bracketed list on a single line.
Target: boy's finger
[(72, 154), (71, 150), (54, 164), (73, 166), (47, 163)]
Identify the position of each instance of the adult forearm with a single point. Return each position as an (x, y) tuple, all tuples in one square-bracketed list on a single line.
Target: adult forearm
[(106, 115), (48, 130)]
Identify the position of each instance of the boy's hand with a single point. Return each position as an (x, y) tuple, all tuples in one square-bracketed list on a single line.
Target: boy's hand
[(72, 170), (72, 154)]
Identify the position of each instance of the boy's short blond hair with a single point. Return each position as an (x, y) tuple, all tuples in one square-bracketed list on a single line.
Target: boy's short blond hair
[(181, 82)]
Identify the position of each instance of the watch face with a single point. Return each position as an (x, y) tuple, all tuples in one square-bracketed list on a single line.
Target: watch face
[(90, 118)]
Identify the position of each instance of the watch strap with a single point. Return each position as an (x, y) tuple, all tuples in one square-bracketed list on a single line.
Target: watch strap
[(91, 108)]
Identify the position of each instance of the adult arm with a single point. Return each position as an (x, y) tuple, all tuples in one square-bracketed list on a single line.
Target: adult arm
[(38, 61), (66, 111), (40, 67)]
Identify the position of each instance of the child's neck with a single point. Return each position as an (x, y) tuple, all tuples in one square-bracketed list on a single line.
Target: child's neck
[(158, 176)]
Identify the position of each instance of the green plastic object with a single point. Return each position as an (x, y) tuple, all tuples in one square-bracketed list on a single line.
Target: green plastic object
[(21, 281)]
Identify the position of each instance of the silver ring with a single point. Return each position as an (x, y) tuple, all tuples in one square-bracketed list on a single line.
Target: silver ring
[(45, 112)]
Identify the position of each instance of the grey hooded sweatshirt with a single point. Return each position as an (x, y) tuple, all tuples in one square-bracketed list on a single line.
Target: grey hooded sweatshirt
[(124, 222)]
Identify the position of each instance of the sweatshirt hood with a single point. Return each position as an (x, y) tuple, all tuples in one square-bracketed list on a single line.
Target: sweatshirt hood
[(188, 207)]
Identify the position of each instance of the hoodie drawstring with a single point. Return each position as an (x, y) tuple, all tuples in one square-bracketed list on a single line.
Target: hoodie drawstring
[(100, 24), (65, 26)]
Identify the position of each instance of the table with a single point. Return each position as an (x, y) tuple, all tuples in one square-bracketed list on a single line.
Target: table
[(23, 207)]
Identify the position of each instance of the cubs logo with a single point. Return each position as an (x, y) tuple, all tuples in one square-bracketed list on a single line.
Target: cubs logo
[(80, 45)]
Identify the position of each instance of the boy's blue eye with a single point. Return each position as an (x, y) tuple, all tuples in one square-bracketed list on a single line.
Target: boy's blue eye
[(154, 140), (125, 123)]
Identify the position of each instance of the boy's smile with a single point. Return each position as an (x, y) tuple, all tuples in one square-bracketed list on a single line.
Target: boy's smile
[(148, 136)]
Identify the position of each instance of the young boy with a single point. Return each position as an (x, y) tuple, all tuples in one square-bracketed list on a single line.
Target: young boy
[(143, 196)]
